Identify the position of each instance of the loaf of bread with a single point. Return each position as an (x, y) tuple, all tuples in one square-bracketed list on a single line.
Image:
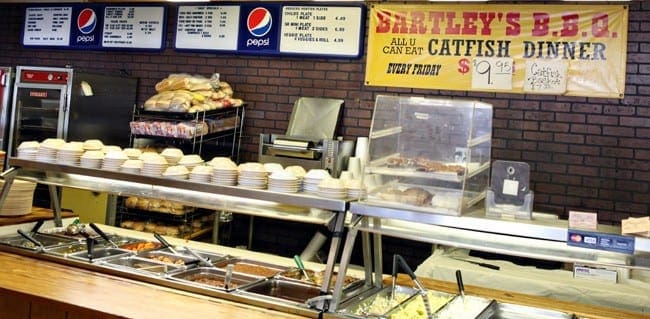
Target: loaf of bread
[(416, 196)]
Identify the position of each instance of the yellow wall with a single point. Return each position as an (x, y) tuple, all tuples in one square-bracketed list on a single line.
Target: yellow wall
[(90, 206)]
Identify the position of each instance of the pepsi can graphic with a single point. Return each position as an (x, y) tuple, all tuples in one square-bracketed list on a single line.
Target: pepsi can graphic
[(258, 31), (87, 26)]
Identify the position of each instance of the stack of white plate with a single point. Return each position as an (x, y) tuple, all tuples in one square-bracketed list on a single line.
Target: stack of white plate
[(48, 149), (312, 179), (332, 188), (132, 153), (69, 153), (356, 188), (154, 164), (273, 167), (190, 161), (252, 175), (28, 150), (19, 198), (110, 148), (172, 155), (299, 172), (283, 182), (225, 171), (113, 160), (131, 166), (176, 172), (201, 173), (91, 159), (93, 145)]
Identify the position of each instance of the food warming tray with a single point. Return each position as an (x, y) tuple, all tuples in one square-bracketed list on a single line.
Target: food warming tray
[(213, 278), (140, 265), (376, 305), (67, 249), (168, 258), (500, 310), (316, 278), (464, 307), (46, 240), (252, 267), (283, 289), (100, 254)]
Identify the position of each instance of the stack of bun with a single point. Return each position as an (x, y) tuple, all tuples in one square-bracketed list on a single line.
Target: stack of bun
[(157, 205), (188, 93)]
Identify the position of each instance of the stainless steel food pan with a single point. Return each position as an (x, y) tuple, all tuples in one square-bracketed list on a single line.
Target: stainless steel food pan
[(100, 254), (377, 304), (283, 289), (252, 267), (213, 278), (140, 265)]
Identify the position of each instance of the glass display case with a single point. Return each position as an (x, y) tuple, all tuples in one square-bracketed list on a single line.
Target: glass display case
[(430, 155)]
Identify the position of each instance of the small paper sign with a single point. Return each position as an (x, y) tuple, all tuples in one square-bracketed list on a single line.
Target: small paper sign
[(583, 220), (545, 76), (492, 73)]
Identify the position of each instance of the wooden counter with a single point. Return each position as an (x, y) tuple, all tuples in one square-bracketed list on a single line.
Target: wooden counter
[(38, 213), (32, 288)]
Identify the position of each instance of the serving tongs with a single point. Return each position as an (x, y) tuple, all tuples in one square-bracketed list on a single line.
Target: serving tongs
[(165, 243), (103, 235), (399, 261), (90, 244), (301, 266), (32, 240), (202, 260), (226, 281), (36, 227), (461, 287)]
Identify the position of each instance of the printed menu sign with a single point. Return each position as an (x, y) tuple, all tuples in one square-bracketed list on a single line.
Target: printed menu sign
[(133, 27), (95, 27), (321, 30), (272, 29), (49, 26), (207, 27)]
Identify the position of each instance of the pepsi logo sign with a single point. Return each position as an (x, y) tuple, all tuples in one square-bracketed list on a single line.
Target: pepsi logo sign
[(86, 21), (259, 22)]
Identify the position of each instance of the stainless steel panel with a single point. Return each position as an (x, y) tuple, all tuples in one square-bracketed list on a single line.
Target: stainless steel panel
[(499, 310), (314, 118)]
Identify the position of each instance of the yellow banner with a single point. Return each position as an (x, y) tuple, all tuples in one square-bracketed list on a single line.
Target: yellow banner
[(577, 50)]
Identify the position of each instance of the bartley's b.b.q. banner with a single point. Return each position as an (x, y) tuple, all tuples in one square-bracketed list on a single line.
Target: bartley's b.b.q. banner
[(577, 50)]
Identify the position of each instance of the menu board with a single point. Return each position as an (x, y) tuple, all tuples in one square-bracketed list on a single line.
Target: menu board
[(272, 29), (133, 27), (207, 27), (321, 30), (48, 26), (95, 27)]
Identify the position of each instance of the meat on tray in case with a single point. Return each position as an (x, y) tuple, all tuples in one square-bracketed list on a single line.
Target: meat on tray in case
[(429, 155)]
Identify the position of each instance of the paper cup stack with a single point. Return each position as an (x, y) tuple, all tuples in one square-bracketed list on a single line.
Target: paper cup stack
[(201, 173), (190, 161), (172, 155), (48, 149), (19, 199), (252, 175), (312, 179), (69, 153), (153, 164), (176, 172), (113, 160), (225, 171), (91, 159), (28, 150), (332, 188), (131, 166), (283, 182)]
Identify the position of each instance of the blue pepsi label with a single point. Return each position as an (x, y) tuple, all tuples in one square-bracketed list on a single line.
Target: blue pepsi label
[(258, 28), (87, 23)]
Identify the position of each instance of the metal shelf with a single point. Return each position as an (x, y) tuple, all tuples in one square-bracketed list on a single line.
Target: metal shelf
[(191, 193)]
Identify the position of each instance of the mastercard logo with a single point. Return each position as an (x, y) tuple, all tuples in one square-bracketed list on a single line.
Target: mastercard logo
[(86, 21), (259, 22)]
